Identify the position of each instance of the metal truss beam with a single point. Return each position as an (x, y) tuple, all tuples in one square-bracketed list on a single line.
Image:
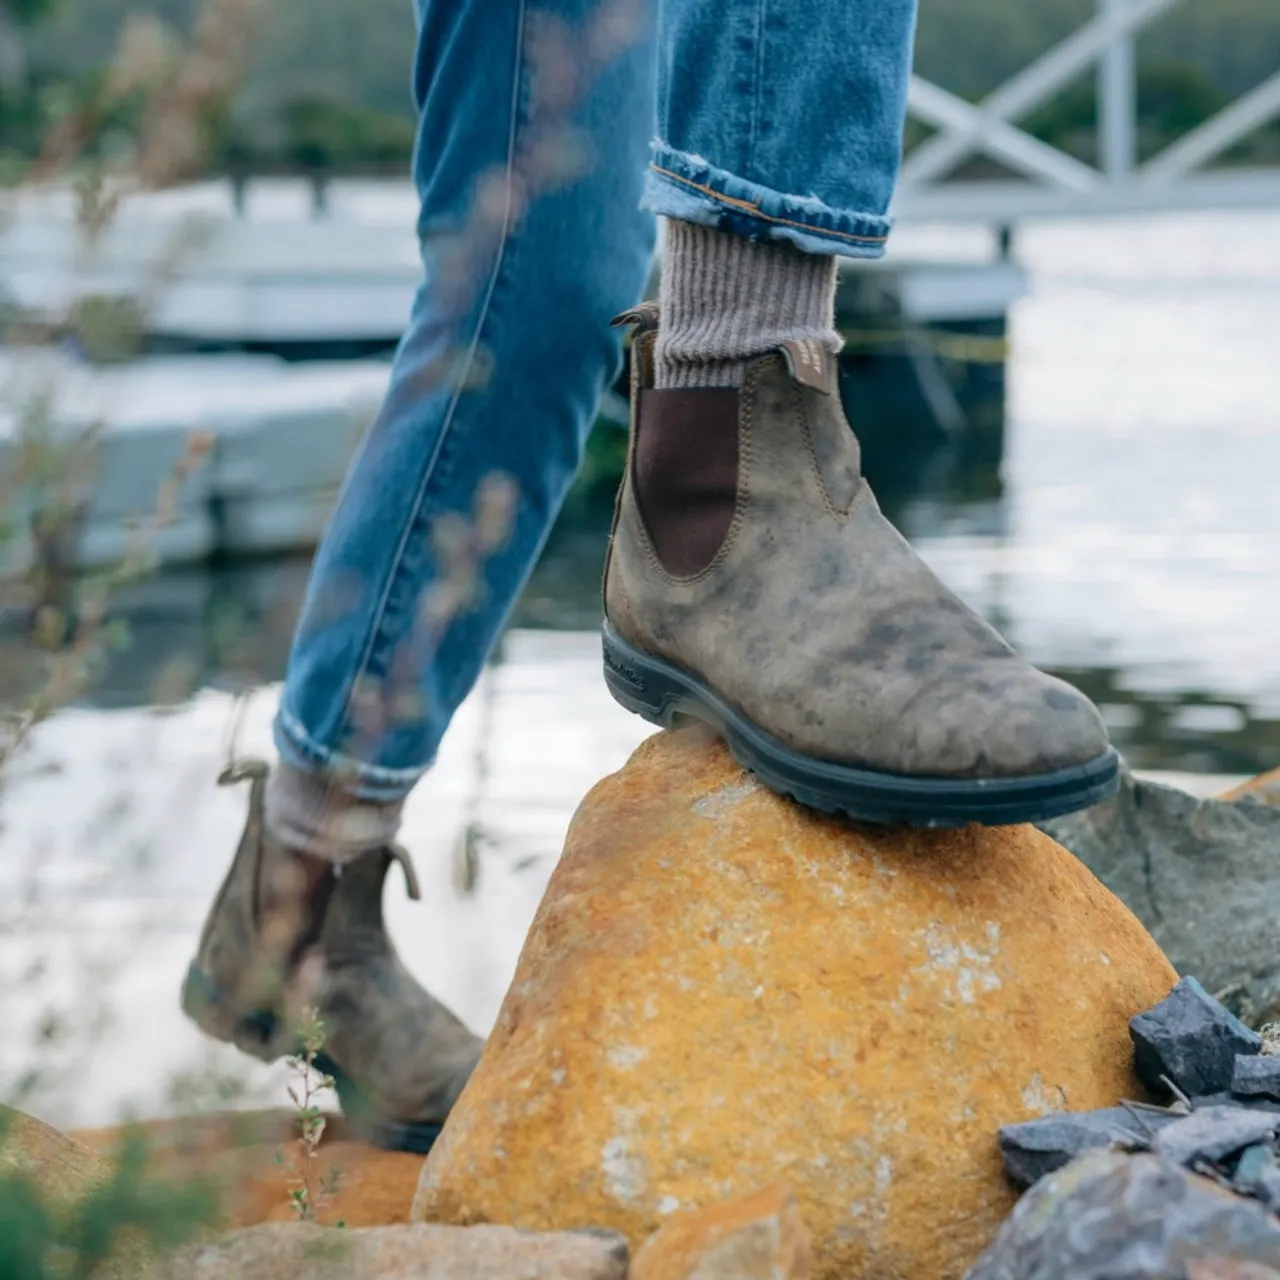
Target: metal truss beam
[(1219, 132), (1029, 88)]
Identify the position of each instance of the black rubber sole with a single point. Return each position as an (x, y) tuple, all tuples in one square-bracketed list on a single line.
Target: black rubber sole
[(664, 694), (417, 1136)]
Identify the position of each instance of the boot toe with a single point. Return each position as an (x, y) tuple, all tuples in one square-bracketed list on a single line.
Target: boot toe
[(1055, 727), (1004, 720)]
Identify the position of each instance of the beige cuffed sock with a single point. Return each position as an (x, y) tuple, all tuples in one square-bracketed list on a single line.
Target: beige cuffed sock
[(312, 814), (725, 300)]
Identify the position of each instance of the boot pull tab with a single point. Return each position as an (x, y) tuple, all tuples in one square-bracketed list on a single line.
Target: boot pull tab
[(810, 364), (247, 769), (642, 318), (401, 855)]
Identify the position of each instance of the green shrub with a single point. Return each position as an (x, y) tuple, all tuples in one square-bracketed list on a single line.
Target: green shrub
[(324, 134)]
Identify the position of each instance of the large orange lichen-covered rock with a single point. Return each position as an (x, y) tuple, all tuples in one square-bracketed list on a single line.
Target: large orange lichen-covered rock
[(721, 991)]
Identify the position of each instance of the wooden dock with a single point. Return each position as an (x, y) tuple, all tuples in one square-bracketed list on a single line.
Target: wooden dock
[(269, 332)]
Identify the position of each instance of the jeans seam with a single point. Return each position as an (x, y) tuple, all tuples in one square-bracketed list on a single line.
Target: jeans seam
[(757, 87), (460, 383), (753, 207)]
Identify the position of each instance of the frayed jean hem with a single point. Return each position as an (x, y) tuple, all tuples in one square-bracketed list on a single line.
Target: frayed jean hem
[(359, 779), (679, 185)]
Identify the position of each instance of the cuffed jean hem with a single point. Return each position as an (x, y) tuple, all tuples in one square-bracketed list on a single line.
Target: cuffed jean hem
[(679, 185), (358, 778)]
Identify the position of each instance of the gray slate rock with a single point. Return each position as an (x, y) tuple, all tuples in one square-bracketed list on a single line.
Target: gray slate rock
[(1202, 875), (1191, 1038), (1110, 1216), (1267, 1189), (1230, 1100), (1037, 1147), (304, 1251), (1214, 1133), (1253, 1165), (1256, 1077), (1225, 1269)]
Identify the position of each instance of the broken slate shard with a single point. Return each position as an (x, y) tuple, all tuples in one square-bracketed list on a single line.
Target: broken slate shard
[(1213, 1134), (1037, 1147), (1108, 1214), (1267, 1189), (1229, 1269), (1192, 1039), (1256, 1077), (1253, 1165), (1232, 1100)]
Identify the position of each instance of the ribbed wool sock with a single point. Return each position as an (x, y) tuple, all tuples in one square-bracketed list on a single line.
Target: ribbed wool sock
[(725, 300), (311, 814)]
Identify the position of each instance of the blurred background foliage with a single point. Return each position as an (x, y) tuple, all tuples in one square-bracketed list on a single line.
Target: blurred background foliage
[(329, 88)]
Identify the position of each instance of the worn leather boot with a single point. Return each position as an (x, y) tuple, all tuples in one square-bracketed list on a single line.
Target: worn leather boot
[(278, 939), (754, 584)]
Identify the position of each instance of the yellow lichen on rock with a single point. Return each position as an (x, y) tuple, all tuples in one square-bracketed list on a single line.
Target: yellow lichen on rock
[(1265, 788), (760, 1236), (60, 1169), (722, 991)]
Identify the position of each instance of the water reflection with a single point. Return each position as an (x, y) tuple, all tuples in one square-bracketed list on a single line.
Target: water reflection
[(229, 626)]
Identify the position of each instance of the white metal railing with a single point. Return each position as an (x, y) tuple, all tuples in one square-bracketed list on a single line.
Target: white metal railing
[(1055, 183)]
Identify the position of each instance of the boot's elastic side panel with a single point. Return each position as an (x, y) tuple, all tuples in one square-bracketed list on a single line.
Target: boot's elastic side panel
[(686, 473)]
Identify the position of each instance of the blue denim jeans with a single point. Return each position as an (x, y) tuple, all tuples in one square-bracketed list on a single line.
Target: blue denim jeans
[(549, 137)]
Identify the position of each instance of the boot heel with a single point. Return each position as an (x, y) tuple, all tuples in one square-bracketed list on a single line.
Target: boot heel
[(203, 1004), (641, 687), (414, 1136)]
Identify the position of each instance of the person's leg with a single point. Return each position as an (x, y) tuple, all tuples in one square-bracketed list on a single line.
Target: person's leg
[(529, 165), (780, 136), (752, 579)]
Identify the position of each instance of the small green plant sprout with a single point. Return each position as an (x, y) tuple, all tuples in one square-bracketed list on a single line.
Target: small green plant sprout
[(309, 1189)]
